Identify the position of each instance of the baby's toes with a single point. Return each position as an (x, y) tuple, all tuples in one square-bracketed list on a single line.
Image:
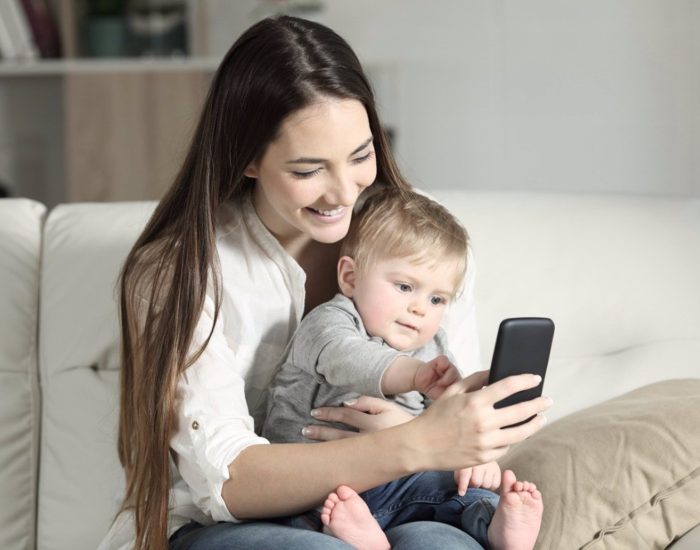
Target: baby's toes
[(330, 503)]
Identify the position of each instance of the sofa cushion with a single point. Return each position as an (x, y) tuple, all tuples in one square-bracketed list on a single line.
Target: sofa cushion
[(80, 477), (622, 474), (20, 244)]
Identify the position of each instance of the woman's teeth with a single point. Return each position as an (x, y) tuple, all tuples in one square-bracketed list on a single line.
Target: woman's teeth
[(329, 213)]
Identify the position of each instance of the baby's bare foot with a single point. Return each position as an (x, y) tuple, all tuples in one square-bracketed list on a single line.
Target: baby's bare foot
[(516, 523), (346, 516)]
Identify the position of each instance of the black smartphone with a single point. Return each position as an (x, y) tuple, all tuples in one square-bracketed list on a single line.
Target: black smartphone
[(522, 346)]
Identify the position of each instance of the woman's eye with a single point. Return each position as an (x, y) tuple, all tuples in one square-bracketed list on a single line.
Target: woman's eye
[(436, 300), (360, 160), (305, 175), (403, 287)]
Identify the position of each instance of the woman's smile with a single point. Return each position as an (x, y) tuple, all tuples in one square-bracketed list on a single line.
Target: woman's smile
[(328, 215)]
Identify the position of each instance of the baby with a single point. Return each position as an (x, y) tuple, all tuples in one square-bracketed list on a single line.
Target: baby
[(402, 263)]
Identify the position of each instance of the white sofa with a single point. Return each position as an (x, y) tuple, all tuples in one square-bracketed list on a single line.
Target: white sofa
[(618, 274)]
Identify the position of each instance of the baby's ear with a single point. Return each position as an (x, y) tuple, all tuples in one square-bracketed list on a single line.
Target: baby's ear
[(346, 276)]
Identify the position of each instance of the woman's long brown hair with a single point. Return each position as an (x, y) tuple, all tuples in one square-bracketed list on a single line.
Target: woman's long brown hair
[(276, 67)]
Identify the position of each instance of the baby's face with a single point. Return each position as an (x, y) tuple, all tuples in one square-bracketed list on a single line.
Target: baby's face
[(403, 301)]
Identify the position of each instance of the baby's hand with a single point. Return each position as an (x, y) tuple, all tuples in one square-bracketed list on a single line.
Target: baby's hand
[(434, 377), (486, 476)]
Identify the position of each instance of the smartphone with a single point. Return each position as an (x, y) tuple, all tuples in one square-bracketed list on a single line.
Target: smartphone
[(522, 346)]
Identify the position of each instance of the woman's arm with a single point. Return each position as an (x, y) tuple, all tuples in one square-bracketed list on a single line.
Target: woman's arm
[(460, 429)]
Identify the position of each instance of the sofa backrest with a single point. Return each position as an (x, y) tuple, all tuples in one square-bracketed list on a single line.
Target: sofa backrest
[(20, 241), (80, 478), (617, 274)]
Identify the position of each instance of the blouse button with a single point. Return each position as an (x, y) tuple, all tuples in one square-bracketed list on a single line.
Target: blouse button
[(195, 425)]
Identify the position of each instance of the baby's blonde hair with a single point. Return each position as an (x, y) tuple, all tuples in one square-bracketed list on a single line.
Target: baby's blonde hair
[(405, 224)]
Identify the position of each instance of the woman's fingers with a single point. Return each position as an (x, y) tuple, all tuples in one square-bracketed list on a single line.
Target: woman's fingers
[(326, 433), (343, 415), (371, 405), (514, 414), (510, 436), (508, 386), (367, 414)]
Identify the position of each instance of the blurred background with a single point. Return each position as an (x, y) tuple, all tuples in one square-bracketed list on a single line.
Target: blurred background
[(98, 98)]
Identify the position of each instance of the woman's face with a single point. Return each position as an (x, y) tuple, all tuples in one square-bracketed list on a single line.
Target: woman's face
[(311, 175)]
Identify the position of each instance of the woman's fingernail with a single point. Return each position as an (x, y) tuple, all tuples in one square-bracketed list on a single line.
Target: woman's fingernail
[(350, 402), (538, 378), (314, 413), (544, 420), (305, 432), (550, 401)]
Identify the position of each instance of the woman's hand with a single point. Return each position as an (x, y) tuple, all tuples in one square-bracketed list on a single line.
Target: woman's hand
[(463, 428), (367, 414)]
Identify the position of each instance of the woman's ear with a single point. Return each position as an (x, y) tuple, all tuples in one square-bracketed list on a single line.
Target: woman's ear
[(251, 171), (346, 276)]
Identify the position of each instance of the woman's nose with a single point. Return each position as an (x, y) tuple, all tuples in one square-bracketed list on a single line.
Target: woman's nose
[(342, 190)]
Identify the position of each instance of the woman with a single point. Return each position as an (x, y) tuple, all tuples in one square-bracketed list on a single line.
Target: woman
[(241, 246)]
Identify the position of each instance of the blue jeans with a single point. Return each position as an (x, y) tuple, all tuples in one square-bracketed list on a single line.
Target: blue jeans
[(432, 496), (259, 535), (427, 496), (416, 512)]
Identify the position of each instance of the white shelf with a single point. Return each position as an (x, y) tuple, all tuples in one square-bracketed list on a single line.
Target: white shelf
[(60, 67)]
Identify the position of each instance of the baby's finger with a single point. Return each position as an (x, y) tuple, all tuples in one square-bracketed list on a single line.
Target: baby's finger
[(463, 478), (494, 480), (449, 377), (471, 383), (462, 487), (477, 477)]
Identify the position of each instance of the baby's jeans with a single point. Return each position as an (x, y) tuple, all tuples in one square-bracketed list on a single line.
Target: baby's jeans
[(427, 496), (433, 496)]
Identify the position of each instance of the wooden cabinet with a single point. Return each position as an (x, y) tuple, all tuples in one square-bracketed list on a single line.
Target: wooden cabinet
[(126, 133), (102, 131)]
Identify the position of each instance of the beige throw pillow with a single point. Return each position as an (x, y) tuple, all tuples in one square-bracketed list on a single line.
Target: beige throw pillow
[(621, 474)]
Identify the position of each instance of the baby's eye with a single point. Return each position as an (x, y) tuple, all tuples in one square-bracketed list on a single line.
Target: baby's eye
[(437, 300), (403, 287)]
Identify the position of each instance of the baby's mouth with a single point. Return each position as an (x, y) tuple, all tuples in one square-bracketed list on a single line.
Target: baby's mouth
[(406, 325)]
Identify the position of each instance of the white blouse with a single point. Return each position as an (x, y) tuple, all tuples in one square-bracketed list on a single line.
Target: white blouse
[(221, 397)]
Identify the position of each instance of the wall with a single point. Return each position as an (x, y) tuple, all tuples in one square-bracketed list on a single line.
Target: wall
[(571, 95)]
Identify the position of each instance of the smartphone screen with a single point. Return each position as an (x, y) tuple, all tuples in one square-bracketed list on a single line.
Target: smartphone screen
[(522, 346)]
